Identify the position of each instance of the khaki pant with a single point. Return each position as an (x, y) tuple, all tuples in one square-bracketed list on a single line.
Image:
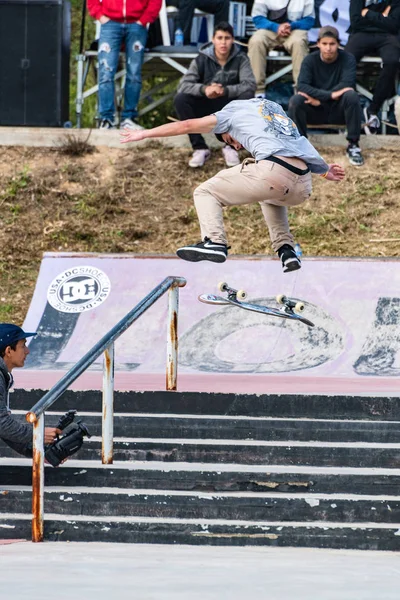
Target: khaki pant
[(264, 40), (273, 186)]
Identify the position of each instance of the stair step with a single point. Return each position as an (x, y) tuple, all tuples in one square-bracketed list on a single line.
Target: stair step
[(365, 536), (207, 477), (240, 428), (252, 506), (246, 452), (274, 405)]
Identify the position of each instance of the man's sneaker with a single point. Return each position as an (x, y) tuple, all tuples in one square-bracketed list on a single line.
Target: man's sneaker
[(231, 157), (106, 124), (354, 155), (372, 122), (199, 157), (289, 258), (130, 124), (205, 250)]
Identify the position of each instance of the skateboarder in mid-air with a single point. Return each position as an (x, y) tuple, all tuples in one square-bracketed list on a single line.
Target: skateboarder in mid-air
[(278, 175)]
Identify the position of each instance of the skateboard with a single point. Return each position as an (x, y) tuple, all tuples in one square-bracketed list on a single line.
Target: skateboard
[(236, 297)]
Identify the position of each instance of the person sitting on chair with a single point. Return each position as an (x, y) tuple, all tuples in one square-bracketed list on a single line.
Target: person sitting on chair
[(219, 74), (279, 23), (326, 92)]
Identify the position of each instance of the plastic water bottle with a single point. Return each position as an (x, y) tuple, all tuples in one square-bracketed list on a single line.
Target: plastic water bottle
[(178, 38), (298, 251)]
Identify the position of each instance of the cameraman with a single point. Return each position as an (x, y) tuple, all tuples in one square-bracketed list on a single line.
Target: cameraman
[(13, 352)]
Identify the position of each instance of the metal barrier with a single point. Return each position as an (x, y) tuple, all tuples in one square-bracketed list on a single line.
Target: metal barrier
[(106, 345)]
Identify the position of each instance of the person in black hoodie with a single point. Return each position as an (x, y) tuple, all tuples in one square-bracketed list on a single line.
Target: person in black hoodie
[(326, 92), (13, 352), (219, 74), (374, 29)]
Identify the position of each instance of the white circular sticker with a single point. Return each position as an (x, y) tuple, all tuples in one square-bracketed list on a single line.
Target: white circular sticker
[(78, 289)]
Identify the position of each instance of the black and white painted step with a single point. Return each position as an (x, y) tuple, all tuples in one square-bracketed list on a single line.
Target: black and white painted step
[(363, 536), (249, 506)]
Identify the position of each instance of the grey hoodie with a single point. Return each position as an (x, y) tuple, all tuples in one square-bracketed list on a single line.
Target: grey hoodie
[(15, 434), (236, 75)]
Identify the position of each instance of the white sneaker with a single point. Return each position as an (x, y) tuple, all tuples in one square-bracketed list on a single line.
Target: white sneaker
[(129, 124), (231, 156), (199, 157)]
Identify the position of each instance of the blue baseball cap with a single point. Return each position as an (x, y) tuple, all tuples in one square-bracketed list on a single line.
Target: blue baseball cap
[(10, 333)]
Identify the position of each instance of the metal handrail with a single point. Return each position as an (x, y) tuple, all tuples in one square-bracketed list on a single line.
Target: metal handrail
[(106, 345)]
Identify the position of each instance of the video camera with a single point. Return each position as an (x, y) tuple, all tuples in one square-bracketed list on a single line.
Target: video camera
[(69, 442)]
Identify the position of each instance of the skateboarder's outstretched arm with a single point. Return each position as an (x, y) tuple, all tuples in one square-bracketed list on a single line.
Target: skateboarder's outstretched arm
[(203, 125)]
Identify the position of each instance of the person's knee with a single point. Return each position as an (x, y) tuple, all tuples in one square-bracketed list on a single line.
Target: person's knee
[(257, 40), (179, 101), (296, 102), (351, 97)]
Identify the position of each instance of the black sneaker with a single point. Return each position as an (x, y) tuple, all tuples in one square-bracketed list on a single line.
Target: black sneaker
[(205, 250), (289, 258), (372, 122), (354, 155), (106, 124)]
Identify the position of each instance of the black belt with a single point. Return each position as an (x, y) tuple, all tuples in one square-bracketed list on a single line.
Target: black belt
[(287, 165)]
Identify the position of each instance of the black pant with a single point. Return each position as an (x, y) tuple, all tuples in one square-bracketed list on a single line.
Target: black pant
[(388, 48), (346, 109), (188, 106), (218, 8)]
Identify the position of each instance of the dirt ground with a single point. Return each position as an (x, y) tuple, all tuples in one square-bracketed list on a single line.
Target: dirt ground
[(140, 201)]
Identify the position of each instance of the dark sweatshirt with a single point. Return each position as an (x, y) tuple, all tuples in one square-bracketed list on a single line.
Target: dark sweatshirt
[(15, 434), (374, 21), (319, 79)]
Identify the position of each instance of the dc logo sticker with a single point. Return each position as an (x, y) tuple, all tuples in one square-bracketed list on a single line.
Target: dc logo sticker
[(78, 289)]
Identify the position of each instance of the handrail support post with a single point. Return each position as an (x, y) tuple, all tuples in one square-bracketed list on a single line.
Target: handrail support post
[(38, 479), (172, 339), (107, 449)]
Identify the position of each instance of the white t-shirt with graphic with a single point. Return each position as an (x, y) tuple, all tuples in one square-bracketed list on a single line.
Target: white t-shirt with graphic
[(264, 129)]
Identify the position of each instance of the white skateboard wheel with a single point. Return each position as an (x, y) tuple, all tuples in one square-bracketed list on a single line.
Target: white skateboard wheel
[(299, 306), (281, 299), (222, 286), (241, 294)]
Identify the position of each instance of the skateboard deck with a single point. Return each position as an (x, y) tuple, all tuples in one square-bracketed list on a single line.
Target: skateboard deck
[(236, 297)]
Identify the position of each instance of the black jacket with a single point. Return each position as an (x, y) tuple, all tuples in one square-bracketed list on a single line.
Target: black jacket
[(236, 76), (374, 21), (15, 434)]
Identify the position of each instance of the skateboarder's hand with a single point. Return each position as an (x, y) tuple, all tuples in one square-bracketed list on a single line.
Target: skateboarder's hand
[(335, 172), (133, 135)]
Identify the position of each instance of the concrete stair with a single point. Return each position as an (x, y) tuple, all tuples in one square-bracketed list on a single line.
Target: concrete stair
[(316, 471)]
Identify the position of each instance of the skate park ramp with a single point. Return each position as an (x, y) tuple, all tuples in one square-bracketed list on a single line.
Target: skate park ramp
[(353, 348)]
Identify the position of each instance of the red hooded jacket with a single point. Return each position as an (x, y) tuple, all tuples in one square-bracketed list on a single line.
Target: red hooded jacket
[(125, 11)]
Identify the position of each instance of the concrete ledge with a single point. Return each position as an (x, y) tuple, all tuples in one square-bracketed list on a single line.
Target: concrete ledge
[(49, 137)]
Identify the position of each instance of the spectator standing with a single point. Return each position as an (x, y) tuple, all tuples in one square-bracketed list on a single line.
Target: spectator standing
[(122, 21), (13, 352), (218, 8), (219, 74), (326, 92), (374, 29), (279, 23)]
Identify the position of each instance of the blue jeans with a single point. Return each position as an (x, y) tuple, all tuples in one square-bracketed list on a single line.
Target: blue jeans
[(112, 34)]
